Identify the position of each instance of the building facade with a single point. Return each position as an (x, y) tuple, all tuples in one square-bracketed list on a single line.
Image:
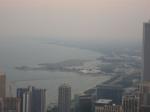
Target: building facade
[(145, 86), (108, 108), (64, 98), (146, 52), (32, 99), (2, 84), (130, 104), (113, 92), (106, 105), (9, 104), (83, 103)]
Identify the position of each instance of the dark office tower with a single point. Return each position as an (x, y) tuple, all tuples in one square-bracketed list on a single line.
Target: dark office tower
[(83, 103), (64, 98), (2, 84), (32, 99), (113, 92), (146, 52)]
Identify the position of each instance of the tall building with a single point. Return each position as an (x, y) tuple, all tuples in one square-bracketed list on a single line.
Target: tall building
[(130, 104), (64, 98), (2, 84), (20, 94), (83, 103), (32, 99), (113, 92), (145, 88), (9, 104), (146, 52)]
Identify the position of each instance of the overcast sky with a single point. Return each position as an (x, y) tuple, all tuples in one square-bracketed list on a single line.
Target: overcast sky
[(74, 19)]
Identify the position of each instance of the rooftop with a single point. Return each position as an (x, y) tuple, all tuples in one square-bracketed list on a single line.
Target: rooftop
[(65, 85), (104, 101)]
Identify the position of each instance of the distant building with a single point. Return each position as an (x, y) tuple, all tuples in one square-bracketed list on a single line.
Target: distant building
[(113, 92), (32, 99), (64, 98), (9, 104), (20, 94), (130, 104), (145, 87), (146, 52), (83, 103), (106, 105), (2, 84), (145, 97)]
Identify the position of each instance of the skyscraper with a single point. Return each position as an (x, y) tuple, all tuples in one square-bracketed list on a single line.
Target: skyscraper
[(2, 84), (64, 98), (83, 103), (146, 52), (32, 99), (145, 88)]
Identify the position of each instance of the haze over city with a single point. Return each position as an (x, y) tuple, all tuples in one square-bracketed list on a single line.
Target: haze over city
[(79, 20)]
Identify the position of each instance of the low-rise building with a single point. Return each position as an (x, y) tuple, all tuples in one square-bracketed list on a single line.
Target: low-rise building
[(105, 105), (9, 104)]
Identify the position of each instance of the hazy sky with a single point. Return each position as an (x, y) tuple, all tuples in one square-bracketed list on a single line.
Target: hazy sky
[(74, 19)]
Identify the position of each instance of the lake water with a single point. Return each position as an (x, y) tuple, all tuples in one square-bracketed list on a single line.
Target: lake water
[(22, 51)]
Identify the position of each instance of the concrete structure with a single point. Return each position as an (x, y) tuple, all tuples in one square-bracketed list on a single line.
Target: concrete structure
[(83, 103), (20, 94), (64, 98), (9, 104), (2, 84), (145, 87), (145, 97), (146, 52), (105, 105), (113, 92), (32, 99), (130, 104)]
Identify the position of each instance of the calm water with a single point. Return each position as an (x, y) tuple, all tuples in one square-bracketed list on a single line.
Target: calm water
[(18, 52)]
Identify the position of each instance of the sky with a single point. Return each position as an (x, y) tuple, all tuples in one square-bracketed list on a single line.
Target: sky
[(89, 20)]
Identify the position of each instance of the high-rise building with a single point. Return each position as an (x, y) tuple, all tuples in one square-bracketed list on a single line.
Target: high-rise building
[(130, 104), (9, 104), (2, 84), (145, 86), (64, 98), (32, 99), (146, 52), (113, 92), (20, 94), (83, 103)]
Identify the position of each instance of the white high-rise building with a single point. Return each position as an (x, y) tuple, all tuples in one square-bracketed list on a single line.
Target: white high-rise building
[(64, 98)]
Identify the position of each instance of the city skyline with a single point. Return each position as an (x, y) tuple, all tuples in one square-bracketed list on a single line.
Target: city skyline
[(75, 56)]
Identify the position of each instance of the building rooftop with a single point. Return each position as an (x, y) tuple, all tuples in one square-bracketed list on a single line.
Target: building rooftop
[(104, 101), (110, 86), (65, 85)]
